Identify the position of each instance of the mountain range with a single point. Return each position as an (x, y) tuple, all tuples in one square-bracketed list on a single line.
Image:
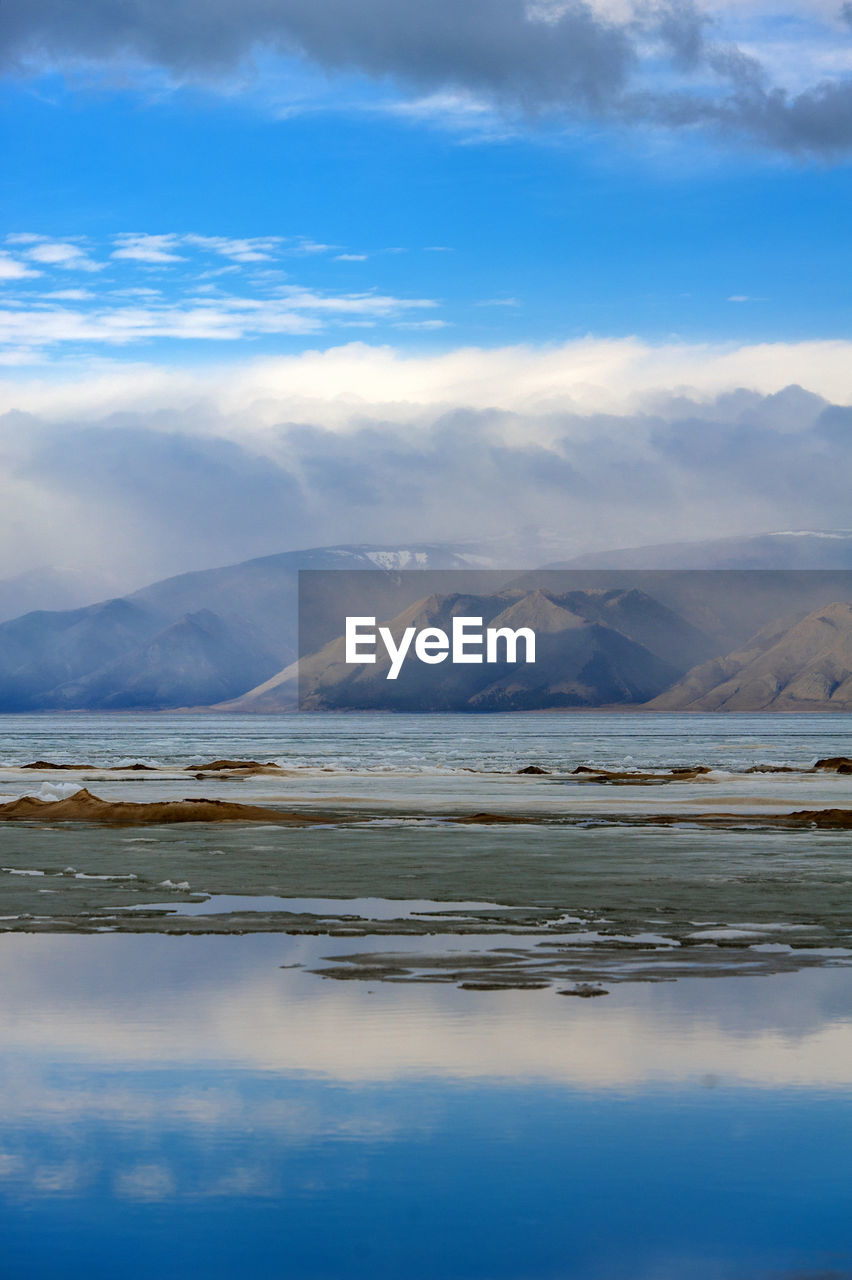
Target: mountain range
[(228, 637), (805, 665), (787, 549), (592, 648), (192, 640)]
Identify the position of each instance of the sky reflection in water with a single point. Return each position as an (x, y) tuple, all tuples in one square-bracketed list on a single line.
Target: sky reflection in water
[(184, 1105)]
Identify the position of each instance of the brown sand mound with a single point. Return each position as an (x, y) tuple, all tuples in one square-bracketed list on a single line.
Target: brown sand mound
[(84, 807), (683, 773), (113, 768), (835, 764), (49, 764), (824, 819), (832, 819), (217, 766)]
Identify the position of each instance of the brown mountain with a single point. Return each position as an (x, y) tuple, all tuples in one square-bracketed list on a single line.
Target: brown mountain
[(580, 660), (797, 665)]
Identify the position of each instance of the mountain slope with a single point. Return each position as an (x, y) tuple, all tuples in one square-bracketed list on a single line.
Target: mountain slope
[(107, 655), (806, 666), (42, 651), (789, 549), (580, 661), (50, 588), (197, 660)]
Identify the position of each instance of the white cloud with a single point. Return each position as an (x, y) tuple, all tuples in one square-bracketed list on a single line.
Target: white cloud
[(71, 295), (304, 245), (422, 324), (13, 269), (361, 303), (257, 249), (351, 257), (142, 247), (214, 318), (594, 443), (58, 253), (458, 111), (332, 385)]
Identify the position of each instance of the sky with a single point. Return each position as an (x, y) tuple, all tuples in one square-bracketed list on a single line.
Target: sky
[(277, 275)]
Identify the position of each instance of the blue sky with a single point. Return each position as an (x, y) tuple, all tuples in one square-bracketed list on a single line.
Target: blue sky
[(529, 271), (473, 222)]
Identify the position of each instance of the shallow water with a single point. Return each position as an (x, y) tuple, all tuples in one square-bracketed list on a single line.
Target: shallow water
[(193, 1083), (178, 1106)]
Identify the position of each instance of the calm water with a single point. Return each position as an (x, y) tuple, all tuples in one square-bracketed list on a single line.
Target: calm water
[(183, 1106), (208, 1105)]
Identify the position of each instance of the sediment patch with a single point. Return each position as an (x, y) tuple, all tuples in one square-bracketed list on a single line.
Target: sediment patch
[(85, 807)]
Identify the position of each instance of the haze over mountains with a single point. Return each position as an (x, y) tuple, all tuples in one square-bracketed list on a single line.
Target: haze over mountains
[(229, 635), (790, 549), (191, 640), (587, 654), (51, 587)]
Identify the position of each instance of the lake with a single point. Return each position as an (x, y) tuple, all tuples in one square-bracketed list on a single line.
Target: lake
[(362, 1049)]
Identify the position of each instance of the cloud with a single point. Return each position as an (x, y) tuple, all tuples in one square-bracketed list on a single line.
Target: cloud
[(142, 247), (147, 472), (668, 64), (170, 247), (216, 317), (71, 295), (191, 300), (332, 385), (57, 253), (303, 245), (258, 249), (13, 269), (424, 325)]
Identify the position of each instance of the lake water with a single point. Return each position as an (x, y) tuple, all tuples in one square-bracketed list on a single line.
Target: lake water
[(185, 1106), (431, 743), (263, 1052)]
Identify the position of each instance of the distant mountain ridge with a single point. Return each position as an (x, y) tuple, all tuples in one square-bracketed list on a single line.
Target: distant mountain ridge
[(588, 653), (191, 640), (787, 549), (227, 636), (805, 665), (49, 587)]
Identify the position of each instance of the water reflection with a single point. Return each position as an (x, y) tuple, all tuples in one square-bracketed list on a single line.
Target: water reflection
[(173, 1106)]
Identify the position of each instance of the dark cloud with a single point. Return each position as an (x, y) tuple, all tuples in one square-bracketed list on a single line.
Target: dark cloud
[(503, 50), (125, 497), (817, 120), (489, 46)]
